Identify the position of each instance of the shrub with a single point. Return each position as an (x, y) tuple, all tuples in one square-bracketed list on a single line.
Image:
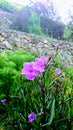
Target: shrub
[(20, 19), (10, 67), (34, 24), (6, 6), (68, 33)]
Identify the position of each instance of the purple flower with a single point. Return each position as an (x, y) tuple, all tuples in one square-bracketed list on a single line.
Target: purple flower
[(32, 117), (40, 63), (33, 69), (3, 100), (29, 71), (58, 70), (42, 59), (63, 63)]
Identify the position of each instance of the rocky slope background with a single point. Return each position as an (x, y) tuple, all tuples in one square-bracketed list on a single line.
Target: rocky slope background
[(12, 40)]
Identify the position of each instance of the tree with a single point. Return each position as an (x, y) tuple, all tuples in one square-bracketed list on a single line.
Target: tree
[(5, 5), (49, 20), (20, 19), (68, 32), (34, 24)]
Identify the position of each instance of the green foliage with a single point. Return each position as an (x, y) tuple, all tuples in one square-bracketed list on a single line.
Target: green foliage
[(68, 32), (34, 24), (6, 6), (10, 67), (41, 21), (50, 22), (31, 19), (50, 95)]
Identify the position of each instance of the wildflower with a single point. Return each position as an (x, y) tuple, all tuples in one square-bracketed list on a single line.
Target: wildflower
[(40, 63), (63, 63), (32, 117), (29, 71), (42, 59), (33, 69), (3, 100), (58, 70)]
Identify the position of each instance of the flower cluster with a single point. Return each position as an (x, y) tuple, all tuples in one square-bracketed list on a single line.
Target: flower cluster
[(33, 69)]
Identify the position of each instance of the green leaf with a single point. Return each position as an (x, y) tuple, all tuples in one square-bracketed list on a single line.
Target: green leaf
[(52, 114)]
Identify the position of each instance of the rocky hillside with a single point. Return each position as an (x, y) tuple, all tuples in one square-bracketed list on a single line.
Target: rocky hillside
[(11, 39)]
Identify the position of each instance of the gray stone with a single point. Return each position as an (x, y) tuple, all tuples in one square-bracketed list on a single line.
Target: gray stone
[(7, 45), (45, 41)]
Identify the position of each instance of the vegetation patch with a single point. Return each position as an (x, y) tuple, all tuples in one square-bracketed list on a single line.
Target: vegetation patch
[(35, 92)]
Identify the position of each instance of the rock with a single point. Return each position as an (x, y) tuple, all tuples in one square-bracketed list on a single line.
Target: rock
[(10, 39), (1, 38), (7, 45), (45, 41), (26, 37)]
